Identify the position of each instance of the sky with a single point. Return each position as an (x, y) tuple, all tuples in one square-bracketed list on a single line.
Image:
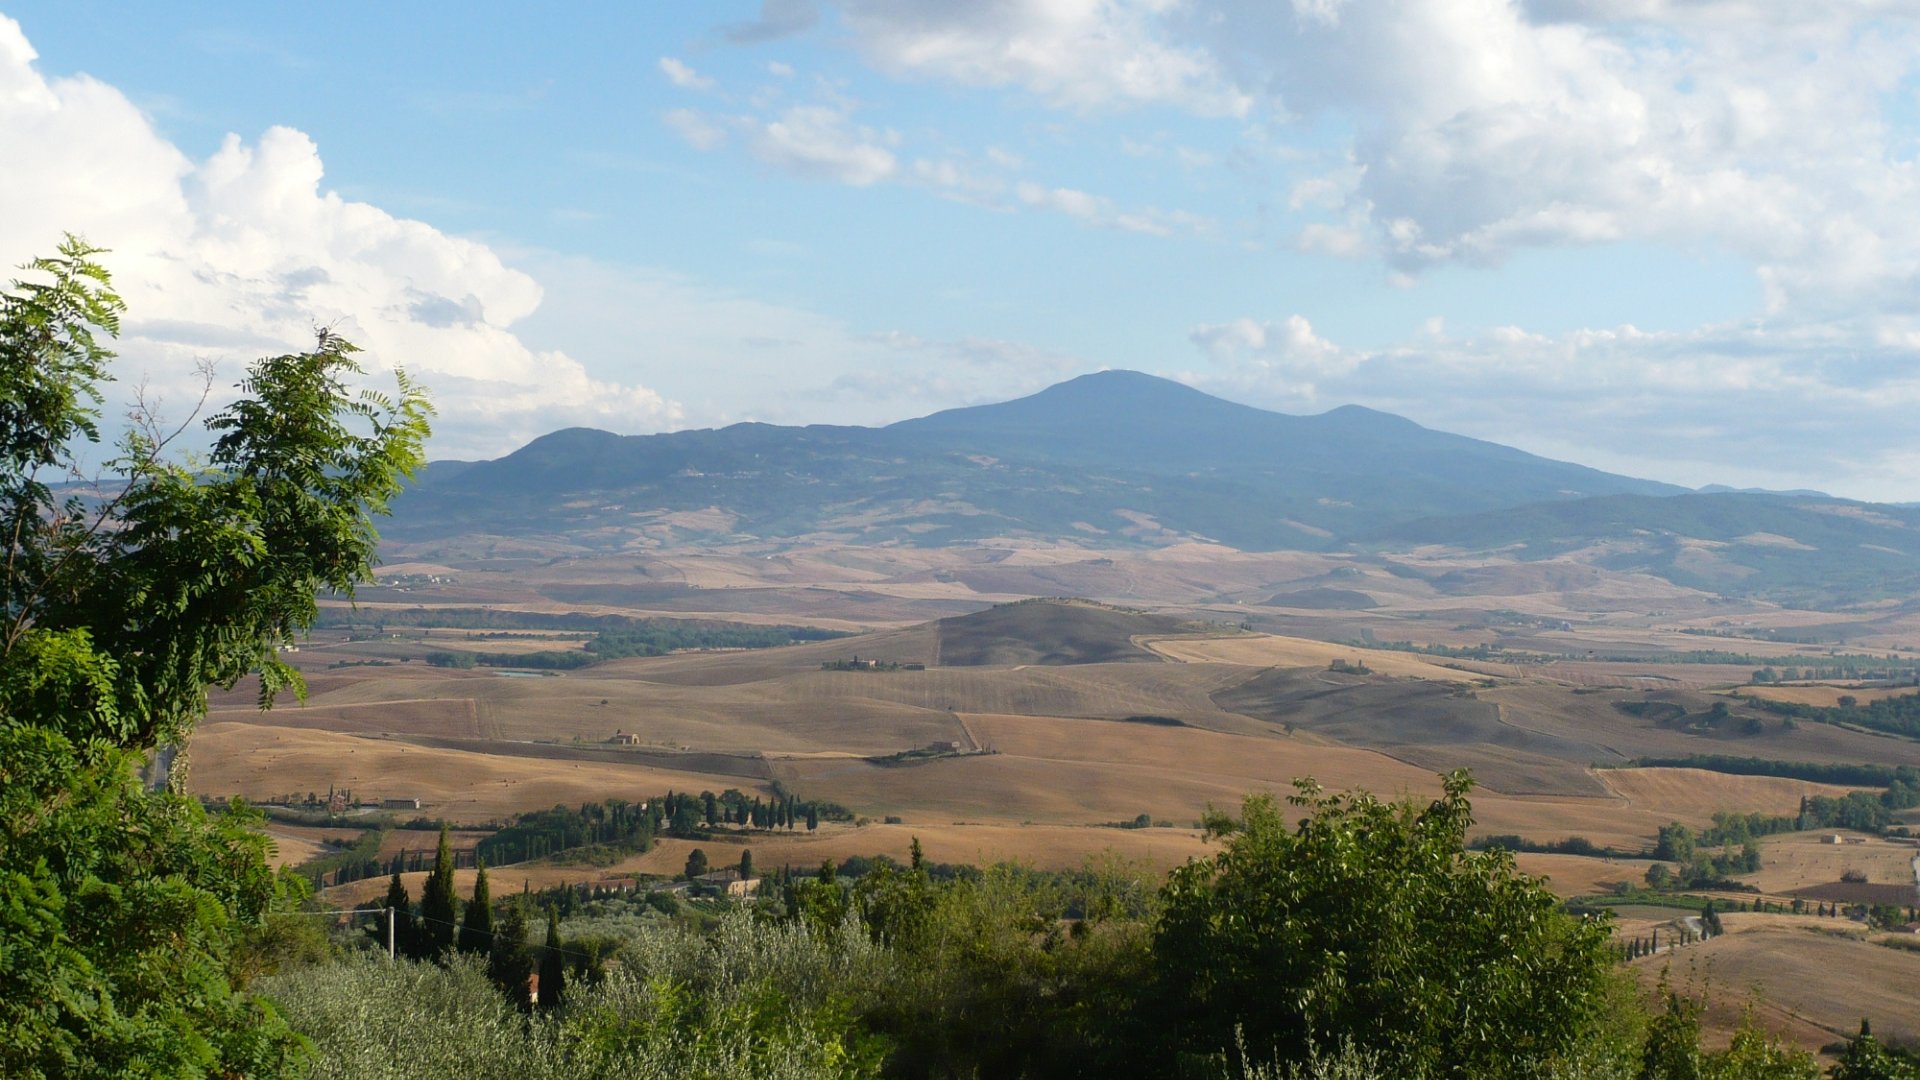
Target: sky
[(1673, 238)]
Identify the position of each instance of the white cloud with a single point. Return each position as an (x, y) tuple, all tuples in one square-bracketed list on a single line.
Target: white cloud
[(1781, 133), (1076, 53), (699, 130), (1101, 212), (1339, 241), (822, 142), (731, 357), (244, 253), (1805, 407), (960, 180), (681, 75)]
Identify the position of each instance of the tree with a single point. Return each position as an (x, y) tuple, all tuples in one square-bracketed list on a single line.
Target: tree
[(696, 863), (117, 611), (1866, 1059), (401, 905), (476, 933), (1674, 844), (438, 914), (813, 817), (746, 864), (509, 962), (1372, 922), (553, 966)]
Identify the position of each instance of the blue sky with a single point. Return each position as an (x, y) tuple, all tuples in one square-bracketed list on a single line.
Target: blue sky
[(1670, 237)]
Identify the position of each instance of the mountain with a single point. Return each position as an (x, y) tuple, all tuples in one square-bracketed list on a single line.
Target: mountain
[(1815, 551), (1113, 457)]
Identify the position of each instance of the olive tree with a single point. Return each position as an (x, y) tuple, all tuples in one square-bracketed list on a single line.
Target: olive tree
[(121, 602)]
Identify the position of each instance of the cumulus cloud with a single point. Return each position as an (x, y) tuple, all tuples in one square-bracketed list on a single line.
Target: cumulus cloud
[(245, 252), (1482, 127)]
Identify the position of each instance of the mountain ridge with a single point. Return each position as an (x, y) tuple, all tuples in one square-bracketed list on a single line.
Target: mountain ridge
[(1122, 458)]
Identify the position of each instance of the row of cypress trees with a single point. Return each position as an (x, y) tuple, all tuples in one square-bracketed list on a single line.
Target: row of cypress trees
[(438, 930)]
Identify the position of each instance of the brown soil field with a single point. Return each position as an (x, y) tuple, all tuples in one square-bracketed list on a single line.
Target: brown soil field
[(1694, 795), (1824, 696), (290, 849), (1799, 860), (1577, 875), (1262, 650), (1592, 718), (256, 761), (1810, 985)]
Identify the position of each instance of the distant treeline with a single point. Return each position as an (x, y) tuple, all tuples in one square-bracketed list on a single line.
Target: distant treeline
[(1572, 845), (1820, 772), (1899, 715), (654, 639), (626, 827), (1865, 811), (488, 618)]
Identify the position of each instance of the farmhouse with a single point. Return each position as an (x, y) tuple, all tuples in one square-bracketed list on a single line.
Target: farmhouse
[(625, 738), (400, 804)]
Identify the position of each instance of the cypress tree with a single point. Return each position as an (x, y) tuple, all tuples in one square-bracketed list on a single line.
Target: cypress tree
[(509, 963), (553, 966), (917, 859), (476, 933), (746, 864), (813, 818), (402, 907), (438, 914)]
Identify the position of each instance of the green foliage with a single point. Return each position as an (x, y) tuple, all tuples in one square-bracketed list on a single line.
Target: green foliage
[(648, 637), (553, 967), (121, 909), (476, 932), (1866, 1059), (1370, 921), (509, 962), (1897, 715), (439, 908)]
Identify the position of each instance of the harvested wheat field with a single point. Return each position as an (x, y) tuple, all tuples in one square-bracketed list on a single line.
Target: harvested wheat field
[(290, 849), (1822, 696), (1695, 795), (1265, 650), (1578, 875), (1811, 985), (258, 762), (1803, 860)]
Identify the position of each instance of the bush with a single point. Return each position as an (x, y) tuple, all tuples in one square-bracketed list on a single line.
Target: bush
[(1371, 922)]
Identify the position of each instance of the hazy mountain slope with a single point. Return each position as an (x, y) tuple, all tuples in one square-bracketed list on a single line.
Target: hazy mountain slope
[(1114, 457), (1813, 550)]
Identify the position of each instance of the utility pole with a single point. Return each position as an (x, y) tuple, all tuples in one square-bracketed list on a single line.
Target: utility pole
[(389, 935)]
